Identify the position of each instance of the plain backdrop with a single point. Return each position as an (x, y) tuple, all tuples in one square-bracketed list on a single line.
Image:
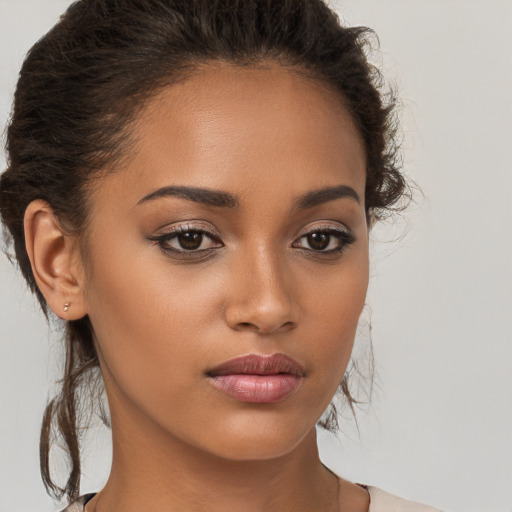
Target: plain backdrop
[(439, 429)]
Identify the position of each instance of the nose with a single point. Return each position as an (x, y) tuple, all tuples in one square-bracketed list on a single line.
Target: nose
[(260, 300)]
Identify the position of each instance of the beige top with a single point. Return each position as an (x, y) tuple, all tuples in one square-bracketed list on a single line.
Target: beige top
[(380, 501)]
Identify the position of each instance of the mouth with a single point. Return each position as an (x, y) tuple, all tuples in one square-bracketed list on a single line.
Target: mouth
[(257, 378)]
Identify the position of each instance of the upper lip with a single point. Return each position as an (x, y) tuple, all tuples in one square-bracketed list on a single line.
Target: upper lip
[(255, 364)]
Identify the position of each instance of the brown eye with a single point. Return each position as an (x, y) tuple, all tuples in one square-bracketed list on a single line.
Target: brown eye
[(325, 240), (318, 241), (187, 241), (190, 240)]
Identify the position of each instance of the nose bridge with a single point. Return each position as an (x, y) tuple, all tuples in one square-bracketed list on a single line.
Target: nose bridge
[(262, 298), (268, 276)]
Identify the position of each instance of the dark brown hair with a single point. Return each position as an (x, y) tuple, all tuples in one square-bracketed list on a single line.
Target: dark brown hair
[(84, 82)]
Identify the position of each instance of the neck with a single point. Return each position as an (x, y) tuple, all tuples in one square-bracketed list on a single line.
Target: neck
[(153, 470)]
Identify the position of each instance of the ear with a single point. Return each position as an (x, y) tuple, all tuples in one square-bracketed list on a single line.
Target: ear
[(56, 261)]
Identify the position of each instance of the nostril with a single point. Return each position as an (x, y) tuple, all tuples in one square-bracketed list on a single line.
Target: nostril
[(246, 326)]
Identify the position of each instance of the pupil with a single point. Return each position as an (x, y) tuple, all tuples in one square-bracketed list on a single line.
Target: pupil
[(190, 240), (319, 241)]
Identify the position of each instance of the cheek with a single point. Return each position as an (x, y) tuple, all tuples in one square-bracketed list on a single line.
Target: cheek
[(151, 319), (334, 311)]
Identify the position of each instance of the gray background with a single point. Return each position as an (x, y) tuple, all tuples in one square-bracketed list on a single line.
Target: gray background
[(440, 426)]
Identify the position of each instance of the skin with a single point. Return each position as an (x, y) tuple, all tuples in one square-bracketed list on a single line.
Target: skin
[(267, 136)]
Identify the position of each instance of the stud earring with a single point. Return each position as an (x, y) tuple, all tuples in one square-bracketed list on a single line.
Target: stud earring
[(67, 306)]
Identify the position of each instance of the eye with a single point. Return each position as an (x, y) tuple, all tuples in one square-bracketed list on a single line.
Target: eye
[(325, 239), (187, 240)]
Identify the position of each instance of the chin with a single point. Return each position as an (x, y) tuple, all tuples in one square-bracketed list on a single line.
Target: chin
[(256, 448), (257, 438)]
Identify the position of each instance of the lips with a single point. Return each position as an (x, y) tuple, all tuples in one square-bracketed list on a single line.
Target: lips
[(258, 378)]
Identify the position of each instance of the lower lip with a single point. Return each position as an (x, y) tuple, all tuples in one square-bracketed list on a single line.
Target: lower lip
[(260, 389)]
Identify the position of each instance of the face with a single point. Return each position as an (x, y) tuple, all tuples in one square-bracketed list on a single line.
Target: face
[(228, 261)]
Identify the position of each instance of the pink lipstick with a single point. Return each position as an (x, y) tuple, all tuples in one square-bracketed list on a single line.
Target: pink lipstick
[(258, 378)]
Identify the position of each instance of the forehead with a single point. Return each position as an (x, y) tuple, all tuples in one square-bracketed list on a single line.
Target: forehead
[(245, 129)]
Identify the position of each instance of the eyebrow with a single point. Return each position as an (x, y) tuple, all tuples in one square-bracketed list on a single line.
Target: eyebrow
[(198, 195), (324, 195), (223, 199)]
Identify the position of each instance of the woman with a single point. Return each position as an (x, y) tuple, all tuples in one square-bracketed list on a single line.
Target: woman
[(190, 187)]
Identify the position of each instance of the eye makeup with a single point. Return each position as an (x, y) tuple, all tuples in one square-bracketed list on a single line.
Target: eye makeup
[(325, 239), (187, 241), (198, 240)]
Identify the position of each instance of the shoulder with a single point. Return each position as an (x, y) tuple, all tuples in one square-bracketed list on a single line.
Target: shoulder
[(79, 504), (381, 501)]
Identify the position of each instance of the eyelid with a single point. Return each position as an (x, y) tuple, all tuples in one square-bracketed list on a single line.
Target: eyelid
[(333, 226), (183, 226), (170, 232), (345, 236)]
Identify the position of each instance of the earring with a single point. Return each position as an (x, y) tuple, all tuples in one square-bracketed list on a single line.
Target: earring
[(67, 306)]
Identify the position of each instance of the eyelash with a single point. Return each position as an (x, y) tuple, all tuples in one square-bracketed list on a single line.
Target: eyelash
[(163, 240), (345, 238)]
